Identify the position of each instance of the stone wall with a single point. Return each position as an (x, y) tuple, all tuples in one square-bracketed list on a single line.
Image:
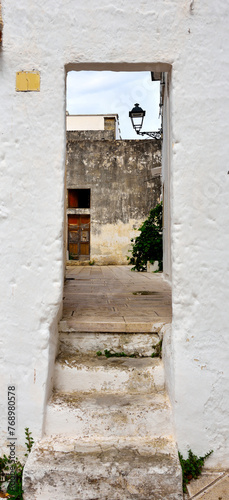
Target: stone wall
[(124, 179)]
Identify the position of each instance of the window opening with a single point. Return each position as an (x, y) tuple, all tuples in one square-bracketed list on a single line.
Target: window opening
[(78, 198)]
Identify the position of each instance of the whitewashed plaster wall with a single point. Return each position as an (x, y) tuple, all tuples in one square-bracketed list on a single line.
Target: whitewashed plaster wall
[(192, 37), (200, 238)]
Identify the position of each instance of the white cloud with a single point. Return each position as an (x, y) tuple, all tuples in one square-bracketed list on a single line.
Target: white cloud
[(93, 92)]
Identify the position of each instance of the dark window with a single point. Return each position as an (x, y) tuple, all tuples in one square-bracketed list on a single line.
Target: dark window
[(79, 198)]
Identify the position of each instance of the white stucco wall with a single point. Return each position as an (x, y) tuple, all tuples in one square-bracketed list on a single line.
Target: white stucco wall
[(192, 38)]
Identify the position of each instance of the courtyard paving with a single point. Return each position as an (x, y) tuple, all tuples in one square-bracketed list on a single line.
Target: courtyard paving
[(114, 298)]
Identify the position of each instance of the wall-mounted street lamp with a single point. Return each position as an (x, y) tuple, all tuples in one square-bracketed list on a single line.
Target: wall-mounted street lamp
[(137, 116)]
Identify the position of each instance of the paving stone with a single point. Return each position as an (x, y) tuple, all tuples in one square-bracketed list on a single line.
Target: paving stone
[(217, 491), (206, 479)]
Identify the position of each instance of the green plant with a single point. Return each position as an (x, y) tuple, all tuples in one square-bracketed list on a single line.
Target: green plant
[(91, 262), (11, 471), (148, 245), (28, 441), (158, 350), (11, 474), (110, 354), (14, 488), (192, 466), (4, 468)]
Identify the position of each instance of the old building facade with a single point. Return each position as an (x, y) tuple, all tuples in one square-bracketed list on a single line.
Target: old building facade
[(111, 187)]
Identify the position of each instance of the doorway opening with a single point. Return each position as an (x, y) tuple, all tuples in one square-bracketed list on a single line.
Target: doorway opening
[(78, 224), (113, 176), (79, 237)]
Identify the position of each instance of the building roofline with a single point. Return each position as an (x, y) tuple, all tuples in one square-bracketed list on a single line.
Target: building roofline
[(98, 114)]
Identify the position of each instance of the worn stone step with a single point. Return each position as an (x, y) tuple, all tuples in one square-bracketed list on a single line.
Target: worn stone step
[(109, 415), (102, 470), (142, 344), (117, 324), (97, 373)]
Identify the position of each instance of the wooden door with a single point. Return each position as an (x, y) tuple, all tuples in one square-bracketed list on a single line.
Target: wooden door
[(79, 237)]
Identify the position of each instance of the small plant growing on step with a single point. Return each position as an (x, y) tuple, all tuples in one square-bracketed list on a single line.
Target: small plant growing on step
[(110, 354), (158, 350), (191, 467), (29, 441)]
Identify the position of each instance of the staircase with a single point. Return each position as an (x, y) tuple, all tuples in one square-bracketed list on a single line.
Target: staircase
[(108, 430)]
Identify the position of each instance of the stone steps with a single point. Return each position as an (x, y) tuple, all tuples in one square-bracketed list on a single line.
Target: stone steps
[(86, 373), (81, 469), (108, 415), (108, 426)]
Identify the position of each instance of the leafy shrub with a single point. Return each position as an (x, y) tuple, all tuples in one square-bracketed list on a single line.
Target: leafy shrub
[(11, 472), (192, 466), (148, 246)]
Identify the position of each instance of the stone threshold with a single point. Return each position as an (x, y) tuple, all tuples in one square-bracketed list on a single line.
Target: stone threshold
[(73, 325)]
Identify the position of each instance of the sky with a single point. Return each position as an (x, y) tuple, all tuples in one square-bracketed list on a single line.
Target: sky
[(109, 92)]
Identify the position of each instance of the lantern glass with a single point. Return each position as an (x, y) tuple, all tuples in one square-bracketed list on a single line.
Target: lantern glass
[(137, 116)]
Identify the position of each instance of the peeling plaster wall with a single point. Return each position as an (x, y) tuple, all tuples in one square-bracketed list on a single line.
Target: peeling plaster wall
[(124, 186), (111, 244), (192, 37)]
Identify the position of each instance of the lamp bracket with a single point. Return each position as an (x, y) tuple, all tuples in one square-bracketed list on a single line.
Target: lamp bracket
[(154, 135)]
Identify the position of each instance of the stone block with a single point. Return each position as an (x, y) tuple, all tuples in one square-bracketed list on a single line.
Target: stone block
[(109, 415), (101, 470), (87, 373)]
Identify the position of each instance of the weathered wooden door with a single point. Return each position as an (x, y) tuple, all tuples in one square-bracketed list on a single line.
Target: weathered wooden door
[(79, 237)]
